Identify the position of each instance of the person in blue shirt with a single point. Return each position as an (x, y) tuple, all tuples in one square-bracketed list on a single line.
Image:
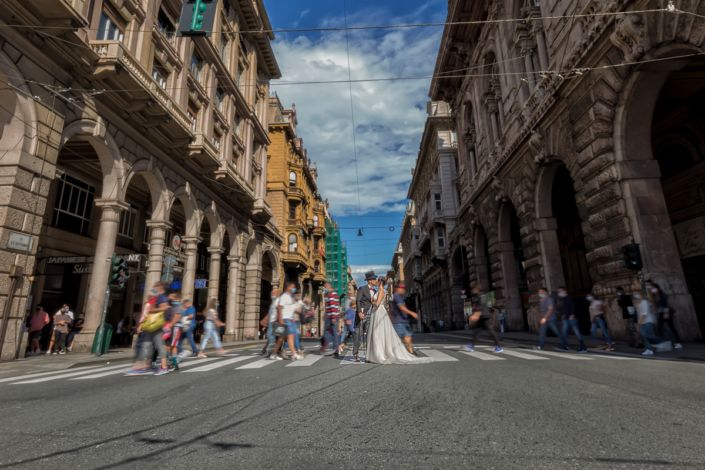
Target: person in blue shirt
[(348, 326), (400, 316), (188, 325)]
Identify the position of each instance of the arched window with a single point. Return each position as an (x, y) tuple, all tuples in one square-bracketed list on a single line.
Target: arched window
[(292, 179), (317, 267), (315, 221), (293, 243)]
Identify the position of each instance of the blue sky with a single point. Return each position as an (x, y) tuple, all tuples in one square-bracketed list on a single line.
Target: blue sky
[(389, 115)]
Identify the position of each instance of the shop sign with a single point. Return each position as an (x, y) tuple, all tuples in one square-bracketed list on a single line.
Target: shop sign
[(19, 242), (82, 268), (201, 283), (176, 243), (69, 259)]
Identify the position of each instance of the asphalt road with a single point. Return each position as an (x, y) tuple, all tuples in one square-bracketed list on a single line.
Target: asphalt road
[(527, 411)]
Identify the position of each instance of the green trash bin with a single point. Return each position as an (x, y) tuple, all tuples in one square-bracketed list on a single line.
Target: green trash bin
[(102, 348)]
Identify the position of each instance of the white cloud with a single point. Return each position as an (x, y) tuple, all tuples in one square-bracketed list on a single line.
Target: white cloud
[(389, 114)]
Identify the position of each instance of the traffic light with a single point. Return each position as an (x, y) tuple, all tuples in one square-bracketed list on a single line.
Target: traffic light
[(197, 17), (119, 271), (632, 257)]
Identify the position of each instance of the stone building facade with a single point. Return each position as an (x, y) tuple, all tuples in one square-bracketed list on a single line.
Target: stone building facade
[(119, 136), (576, 137), (299, 209), (434, 197)]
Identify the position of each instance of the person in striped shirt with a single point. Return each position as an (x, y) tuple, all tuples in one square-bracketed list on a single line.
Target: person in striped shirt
[(330, 330)]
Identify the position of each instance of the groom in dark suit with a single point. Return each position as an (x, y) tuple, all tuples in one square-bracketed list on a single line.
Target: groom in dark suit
[(366, 296)]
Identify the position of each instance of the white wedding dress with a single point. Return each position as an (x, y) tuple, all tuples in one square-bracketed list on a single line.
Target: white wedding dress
[(383, 343)]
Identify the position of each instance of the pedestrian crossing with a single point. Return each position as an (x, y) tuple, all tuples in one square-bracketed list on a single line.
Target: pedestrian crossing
[(243, 361)]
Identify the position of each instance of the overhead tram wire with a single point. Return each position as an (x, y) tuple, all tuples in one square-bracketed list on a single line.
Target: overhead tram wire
[(352, 117), (433, 24)]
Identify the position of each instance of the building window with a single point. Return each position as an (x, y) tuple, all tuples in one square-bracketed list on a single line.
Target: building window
[(159, 74), (315, 221), (292, 179), (293, 243), (193, 116), (73, 205), (316, 243), (127, 223), (219, 99), (196, 66), (237, 124), (441, 237), (437, 199), (165, 25), (317, 267), (110, 27), (217, 139), (292, 210)]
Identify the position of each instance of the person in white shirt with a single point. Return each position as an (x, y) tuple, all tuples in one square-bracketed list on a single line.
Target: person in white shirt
[(270, 321), (647, 323), (286, 311)]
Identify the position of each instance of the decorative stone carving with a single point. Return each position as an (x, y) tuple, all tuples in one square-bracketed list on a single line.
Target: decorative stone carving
[(630, 36), (538, 147), (498, 188)]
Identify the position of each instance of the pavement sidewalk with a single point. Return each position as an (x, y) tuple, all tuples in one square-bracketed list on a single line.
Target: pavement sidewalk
[(692, 351), (44, 363)]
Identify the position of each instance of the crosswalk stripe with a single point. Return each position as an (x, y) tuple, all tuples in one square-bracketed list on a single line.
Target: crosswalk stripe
[(65, 376), (44, 374), (257, 364), (529, 357), (483, 356), (439, 356), (115, 372), (306, 361), (219, 364), (609, 356), (573, 357)]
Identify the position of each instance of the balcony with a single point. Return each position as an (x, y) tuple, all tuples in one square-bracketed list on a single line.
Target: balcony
[(296, 193), (229, 177), (142, 97), (296, 259), (59, 12), (261, 211), (203, 152)]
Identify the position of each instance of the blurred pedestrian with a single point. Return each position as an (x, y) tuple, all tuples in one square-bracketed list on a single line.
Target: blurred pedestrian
[(666, 326), (548, 319), (566, 309), (483, 317), (348, 326), (629, 315), (271, 319), (286, 326), (330, 330), (210, 329), (647, 324), (37, 322), (61, 331), (598, 321), (188, 326), (150, 331)]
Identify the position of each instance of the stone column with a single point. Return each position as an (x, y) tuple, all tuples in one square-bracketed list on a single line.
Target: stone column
[(155, 258), (510, 286), (253, 285), (233, 307), (214, 274), (529, 65), (105, 246), (189, 278), (541, 47)]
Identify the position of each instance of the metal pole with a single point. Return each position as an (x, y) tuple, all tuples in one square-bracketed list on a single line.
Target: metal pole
[(101, 328)]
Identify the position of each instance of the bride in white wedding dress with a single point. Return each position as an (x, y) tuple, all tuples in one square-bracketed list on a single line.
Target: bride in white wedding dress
[(383, 343)]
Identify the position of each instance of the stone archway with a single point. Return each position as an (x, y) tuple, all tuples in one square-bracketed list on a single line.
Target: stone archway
[(253, 288), (563, 249), (511, 255), (663, 177), (482, 262)]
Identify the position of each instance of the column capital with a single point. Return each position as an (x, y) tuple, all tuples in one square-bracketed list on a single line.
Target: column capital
[(111, 205), (191, 240), (233, 259), (214, 250), (159, 224)]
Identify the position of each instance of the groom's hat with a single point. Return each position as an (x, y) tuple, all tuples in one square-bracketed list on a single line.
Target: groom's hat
[(370, 275)]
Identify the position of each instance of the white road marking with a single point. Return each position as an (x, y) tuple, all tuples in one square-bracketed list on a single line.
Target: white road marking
[(257, 364), (483, 356), (65, 376), (564, 355), (115, 372), (529, 357), (609, 356), (439, 356), (306, 361), (44, 374), (219, 364)]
